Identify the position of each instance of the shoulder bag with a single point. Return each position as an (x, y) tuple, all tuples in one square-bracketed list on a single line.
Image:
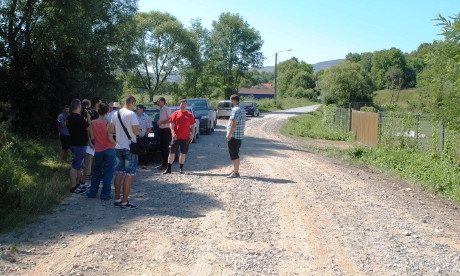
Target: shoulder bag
[(134, 148)]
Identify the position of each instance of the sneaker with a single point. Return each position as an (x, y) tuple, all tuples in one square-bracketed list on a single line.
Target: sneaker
[(162, 167), (234, 175), (77, 190), (129, 206), (181, 171), (86, 185), (144, 167), (117, 204), (167, 171)]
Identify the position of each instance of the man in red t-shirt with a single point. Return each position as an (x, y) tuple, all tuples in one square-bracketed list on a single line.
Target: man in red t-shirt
[(180, 123)]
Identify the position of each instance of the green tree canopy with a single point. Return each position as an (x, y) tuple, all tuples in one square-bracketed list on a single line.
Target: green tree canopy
[(234, 48), (53, 51), (440, 80), (162, 47), (345, 83), (293, 74), (382, 61)]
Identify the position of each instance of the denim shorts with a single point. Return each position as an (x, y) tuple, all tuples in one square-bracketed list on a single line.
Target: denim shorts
[(125, 162), (78, 156)]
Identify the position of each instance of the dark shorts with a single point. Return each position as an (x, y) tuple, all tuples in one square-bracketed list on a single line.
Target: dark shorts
[(183, 144), (65, 141), (234, 148)]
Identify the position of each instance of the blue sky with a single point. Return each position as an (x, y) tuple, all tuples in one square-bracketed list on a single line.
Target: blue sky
[(322, 30)]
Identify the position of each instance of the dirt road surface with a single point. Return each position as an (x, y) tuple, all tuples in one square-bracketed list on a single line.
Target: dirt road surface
[(293, 212)]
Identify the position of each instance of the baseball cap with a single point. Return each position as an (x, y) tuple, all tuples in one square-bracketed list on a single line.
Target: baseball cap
[(141, 106), (116, 104)]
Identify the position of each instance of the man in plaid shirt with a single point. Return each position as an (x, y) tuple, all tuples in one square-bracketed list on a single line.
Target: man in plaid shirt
[(235, 133)]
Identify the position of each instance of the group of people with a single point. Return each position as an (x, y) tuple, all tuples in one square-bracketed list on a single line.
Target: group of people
[(105, 131)]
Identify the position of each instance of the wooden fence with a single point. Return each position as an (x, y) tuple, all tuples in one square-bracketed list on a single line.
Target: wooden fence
[(365, 127)]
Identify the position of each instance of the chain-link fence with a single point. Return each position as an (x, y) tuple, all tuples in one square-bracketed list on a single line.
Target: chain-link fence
[(408, 131)]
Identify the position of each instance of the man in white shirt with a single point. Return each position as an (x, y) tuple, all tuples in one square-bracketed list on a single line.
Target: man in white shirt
[(165, 132), (126, 162)]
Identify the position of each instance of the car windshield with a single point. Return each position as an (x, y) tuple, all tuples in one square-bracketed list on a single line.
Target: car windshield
[(224, 104), (154, 114), (197, 105), (247, 104)]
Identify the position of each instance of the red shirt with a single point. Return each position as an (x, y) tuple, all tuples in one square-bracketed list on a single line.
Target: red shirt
[(101, 136), (182, 121)]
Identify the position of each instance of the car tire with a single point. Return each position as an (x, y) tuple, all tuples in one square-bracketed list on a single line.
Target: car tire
[(208, 129)]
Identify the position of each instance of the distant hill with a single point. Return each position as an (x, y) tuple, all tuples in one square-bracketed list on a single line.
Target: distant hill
[(326, 64), (316, 67)]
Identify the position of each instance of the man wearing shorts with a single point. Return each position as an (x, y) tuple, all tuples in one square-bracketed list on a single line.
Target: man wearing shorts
[(64, 135), (125, 161), (79, 138), (180, 123), (235, 133)]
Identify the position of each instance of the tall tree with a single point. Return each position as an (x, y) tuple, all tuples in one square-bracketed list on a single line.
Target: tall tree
[(163, 46), (345, 83), (382, 61), (55, 50), (195, 83), (293, 74), (234, 49), (440, 78)]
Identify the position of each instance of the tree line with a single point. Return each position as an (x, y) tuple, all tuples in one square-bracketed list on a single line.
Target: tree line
[(53, 51)]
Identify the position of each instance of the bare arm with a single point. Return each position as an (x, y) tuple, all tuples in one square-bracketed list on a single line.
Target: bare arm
[(171, 126), (232, 129), (136, 130)]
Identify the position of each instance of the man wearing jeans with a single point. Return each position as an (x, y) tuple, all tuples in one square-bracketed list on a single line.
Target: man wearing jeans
[(125, 161), (79, 138), (235, 133)]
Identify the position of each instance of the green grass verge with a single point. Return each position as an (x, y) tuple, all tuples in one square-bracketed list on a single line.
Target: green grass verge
[(439, 174), (33, 181)]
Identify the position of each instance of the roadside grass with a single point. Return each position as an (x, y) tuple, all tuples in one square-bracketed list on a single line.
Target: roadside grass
[(33, 181), (312, 125), (408, 100), (429, 170)]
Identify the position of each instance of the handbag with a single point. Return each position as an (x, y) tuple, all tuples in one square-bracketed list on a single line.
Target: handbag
[(134, 148)]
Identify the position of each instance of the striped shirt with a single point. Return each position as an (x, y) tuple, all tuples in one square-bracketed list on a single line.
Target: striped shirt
[(238, 114)]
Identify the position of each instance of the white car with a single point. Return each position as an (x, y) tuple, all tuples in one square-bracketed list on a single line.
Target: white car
[(197, 121)]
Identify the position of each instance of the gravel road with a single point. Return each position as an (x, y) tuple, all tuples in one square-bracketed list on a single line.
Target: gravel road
[(293, 212)]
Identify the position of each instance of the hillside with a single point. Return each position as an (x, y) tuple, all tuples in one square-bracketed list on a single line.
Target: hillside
[(317, 66)]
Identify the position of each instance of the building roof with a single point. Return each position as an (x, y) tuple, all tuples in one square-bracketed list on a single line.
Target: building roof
[(263, 88)]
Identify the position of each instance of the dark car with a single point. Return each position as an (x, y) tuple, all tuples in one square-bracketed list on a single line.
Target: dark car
[(153, 136), (204, 112), (251, 108)]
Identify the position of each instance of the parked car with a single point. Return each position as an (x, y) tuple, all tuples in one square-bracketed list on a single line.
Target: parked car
[(197, 122), (153, 136), (204, 112), (224, 109), (251, 108)]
